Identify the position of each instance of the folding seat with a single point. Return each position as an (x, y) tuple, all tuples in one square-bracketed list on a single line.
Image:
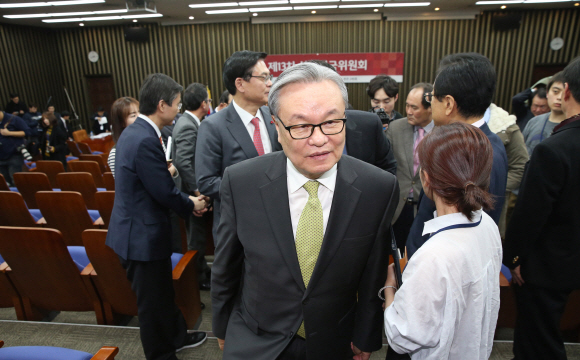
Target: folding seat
[(109, 181), (105, 201), (9, 297), (13, 211), (29, 183), (98, 158), (86, 149), (74, 149), (54, 353), (81, 182), (50, 168), (91, 167)]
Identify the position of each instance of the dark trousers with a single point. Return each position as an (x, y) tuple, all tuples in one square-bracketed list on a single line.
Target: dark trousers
[(393, 355), (402, 226), (196, 240), (537, 333), (296, 350), (162, 326), (10, 166)]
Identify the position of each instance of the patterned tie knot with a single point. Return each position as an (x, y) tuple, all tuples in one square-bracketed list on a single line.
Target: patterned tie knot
[(255, 121), (312, 188)]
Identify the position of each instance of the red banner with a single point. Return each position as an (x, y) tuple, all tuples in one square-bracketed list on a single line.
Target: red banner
[(353, 67)]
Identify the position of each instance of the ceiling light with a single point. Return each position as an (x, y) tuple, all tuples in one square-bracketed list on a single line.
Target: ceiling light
[(102, 18), (283, 8), (135, 20), (313, 12), (31, 16), (315, 7), (140, 16), (191, 18), (6, 6), (503, 7), (359, 6), (99, 18), (376, 10), (232, 11), (62, 20), (543, 1), (258, 3), (213, 5), (81, 24), (407, 4), (110, 11), (495, 2), (577, 4), (437, 9), (255, 14), (311, 1), (51, 3)]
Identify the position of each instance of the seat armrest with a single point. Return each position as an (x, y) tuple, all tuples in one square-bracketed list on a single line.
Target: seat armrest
[(88, 270), (106, 353), (187, 258)]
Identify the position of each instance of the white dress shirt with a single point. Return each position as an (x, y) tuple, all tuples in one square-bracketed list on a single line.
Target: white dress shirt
[(298, 196), (194, 117), (448, 304), (247, 120)]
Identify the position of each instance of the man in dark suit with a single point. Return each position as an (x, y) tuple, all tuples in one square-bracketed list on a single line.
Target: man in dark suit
[(196, 103), (542, 247), (463, 91), (302, 247), (241, 131), (140, 231)]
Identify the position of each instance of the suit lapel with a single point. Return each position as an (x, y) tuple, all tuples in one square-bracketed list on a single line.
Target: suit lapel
[(276, 203), (354, 144), (240, 133), (344, 203), (272, 133)]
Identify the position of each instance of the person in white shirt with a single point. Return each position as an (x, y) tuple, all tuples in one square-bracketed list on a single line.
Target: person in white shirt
[(448, 304)]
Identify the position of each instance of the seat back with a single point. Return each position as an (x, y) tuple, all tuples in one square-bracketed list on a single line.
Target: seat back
[(43, 271), (84, 148), (3, 184), (29, 183), (82, 182), (13, 210), (67, 212), (95, 157), (91, 167), (104, 201), (72, 146), (109, 181), (80, 135), (111, 280), (50, 168)]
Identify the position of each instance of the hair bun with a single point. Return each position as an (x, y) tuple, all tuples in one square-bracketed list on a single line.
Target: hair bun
[(468, 184)]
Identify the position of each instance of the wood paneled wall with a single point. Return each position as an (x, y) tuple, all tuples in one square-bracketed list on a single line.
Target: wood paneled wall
[(196, 53)]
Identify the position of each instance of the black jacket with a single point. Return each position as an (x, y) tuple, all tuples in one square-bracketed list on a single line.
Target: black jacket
[(58, 140)]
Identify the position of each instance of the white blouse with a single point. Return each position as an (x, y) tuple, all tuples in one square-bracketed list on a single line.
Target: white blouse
[(448, 304)]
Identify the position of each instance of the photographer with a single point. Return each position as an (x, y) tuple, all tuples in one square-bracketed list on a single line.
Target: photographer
[(384, 93), (12, 132)]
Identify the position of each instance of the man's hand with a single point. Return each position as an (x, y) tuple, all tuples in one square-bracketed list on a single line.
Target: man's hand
[(199, 213), (198, 202), (5, 132), (221, 344), (517, 275), (358, 354)]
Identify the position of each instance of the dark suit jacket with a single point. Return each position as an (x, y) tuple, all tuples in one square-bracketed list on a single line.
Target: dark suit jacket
[(58, 140), (256, 250), (183, 152), (144, 192), (497, 188), (366, 141), (544, 231)]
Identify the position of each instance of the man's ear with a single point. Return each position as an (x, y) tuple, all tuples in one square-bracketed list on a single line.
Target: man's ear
[(161, 106), (279, 128), (240, 85), (450, 104), (567, 92)]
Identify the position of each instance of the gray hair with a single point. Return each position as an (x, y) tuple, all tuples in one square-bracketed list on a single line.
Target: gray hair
[(304, 73)]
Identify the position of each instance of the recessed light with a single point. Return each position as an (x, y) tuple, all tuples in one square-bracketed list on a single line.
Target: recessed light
[(255, 14), (134, 20), (81, 24), (191, 18), (376, 10), (577, 4), (437, 9), (313, 11), (503, 7)]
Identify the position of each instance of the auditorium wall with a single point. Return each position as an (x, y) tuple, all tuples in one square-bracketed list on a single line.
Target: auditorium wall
[(196, 53)]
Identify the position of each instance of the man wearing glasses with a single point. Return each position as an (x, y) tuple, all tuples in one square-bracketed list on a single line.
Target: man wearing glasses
[(302, 246), (241, 131)]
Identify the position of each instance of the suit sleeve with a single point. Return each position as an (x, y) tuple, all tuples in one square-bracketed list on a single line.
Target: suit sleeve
[(519, 103), (425, 211), (226, 273), (208, 160), (184, 144), (367, 334), (151, 169), (385, 157), (540, 189)]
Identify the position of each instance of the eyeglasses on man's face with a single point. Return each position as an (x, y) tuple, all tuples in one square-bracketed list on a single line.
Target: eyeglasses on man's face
[(264, 78), (208, 101), (179, 106), (428, 96), (304, 131)]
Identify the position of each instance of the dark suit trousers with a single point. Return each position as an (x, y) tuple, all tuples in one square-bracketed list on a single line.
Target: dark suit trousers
[(196, 240), (537, 333), (162, 325), (296, 350)]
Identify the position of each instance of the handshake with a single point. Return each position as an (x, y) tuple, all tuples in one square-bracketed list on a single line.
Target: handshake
[(201, 204)]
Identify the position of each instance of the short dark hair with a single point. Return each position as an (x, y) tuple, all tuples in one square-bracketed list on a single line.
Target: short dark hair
[(572, 77), (13, 95), (32, 105), (458, 159), (427, 88), (100, 108), (157, 87), (225, 98), (384, 82), (64, 113), (120, 111), (194, 96), (240, 65), (468, 77), (540, 93), (557, 77)]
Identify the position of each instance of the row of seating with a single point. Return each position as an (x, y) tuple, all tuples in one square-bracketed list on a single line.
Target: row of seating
[(101, 174), (54, 353), (39, 276)]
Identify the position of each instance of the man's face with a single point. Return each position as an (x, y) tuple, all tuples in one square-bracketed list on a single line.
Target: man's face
[(256, 90), (539, 106), (554, 97), (66, 117), (384, 101), (417, 115), (100, 113), (50, 109), (16, 99), (311, 104), (32, 109)]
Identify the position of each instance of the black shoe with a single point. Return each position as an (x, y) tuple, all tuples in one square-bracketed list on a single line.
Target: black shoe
[(202, 305), (205, 285), (193, 340)]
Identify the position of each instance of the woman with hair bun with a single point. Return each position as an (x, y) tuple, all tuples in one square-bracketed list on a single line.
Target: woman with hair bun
[(448, 304)]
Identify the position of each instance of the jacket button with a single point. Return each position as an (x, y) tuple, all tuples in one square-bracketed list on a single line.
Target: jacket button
[(413, 183), (305, 302), (291, 334)]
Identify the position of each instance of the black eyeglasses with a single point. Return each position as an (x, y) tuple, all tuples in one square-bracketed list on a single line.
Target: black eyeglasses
[(428, 97), (265, 78), (304, 131)]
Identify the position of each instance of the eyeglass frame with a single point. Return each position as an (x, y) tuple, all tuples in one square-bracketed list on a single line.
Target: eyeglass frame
[(288, 128), (428, 95), (265, 78)]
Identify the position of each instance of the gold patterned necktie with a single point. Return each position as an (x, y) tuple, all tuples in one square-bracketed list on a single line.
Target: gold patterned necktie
[(309, 236)]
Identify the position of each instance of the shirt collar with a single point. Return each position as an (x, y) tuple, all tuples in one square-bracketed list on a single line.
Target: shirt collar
[(193, 116), (246, 116), (296, 180), (479, 123), (439, 222), (152, 124), (487, 115), (427, 127)]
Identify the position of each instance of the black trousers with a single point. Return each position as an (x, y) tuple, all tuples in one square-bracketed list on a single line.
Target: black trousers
[(196, 240), (537, 333), (296, 350), (402, 226), (162, 325)]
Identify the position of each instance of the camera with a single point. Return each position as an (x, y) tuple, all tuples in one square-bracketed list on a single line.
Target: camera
[(24, 152), (382, 114)]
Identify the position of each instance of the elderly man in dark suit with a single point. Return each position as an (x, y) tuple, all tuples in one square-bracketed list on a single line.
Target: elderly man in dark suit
[(463, 91), (303, 243), (542, 246), (140, 231), (241, 131)]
